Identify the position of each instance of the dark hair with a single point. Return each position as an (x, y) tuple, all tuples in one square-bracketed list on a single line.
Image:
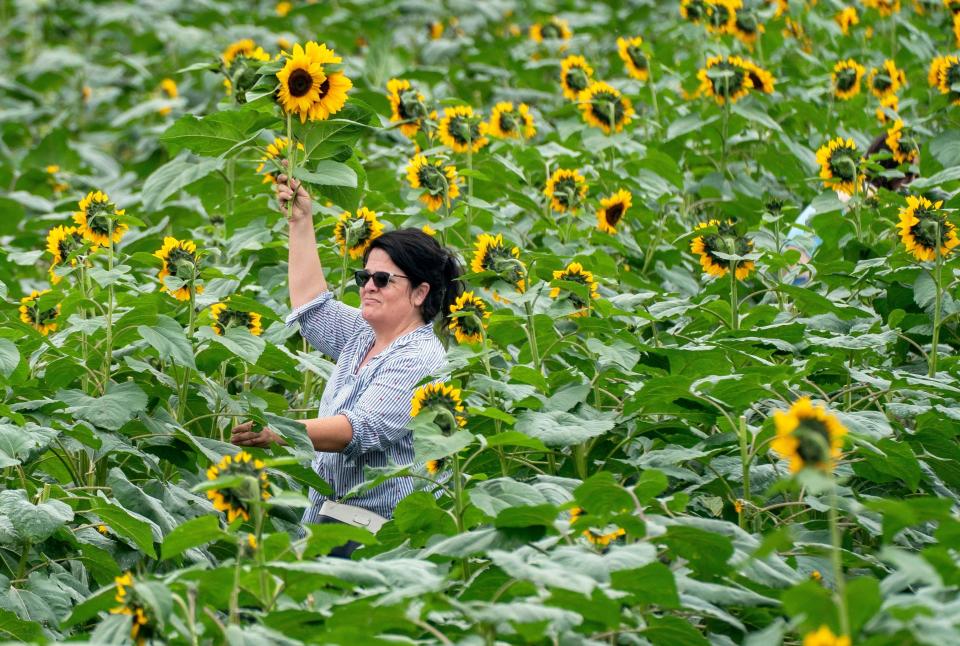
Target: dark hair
[(878, 145), (424, 260)]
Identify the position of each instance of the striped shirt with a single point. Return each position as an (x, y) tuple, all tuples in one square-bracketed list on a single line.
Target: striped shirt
[(375, 398)]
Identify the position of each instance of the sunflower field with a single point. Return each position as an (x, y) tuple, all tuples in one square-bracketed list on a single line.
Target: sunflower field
[(702, 386)]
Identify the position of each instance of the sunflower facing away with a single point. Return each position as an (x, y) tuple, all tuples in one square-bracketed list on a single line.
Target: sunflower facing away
[(462, 130), (945, 76), (44, 321), (469, 326), (600, 538), (824, 636), (491, 254), (612, 209), (726, 241), (444, 400), (311, 85), (839, 162), (846, 18), (604, 107), (141, 629), (180, 260), (808, 436), (223, 316), (575, 76), (245, 48), (98, 219), (903, 148), (355, 231), (509, 123), (846, 78), (553, 29), (436, 180), (61, 243), (922, 226), (239, 63), (575, 273), (566, 190), (888, 104), (721, 15), (724, 79), (236, 500), (747, 28), (885, 80), (406, 106), (276, 150), (630, 52), (693, 11)]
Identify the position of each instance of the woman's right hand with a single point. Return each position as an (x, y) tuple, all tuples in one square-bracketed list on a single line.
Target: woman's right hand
[(302, 207)]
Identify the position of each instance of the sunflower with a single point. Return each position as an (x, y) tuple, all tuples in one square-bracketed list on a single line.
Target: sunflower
[(223, 317), (301, 78), (575, 76), (726, 241), (725, 79), (747, 28), (274, 151), (141, 629), (793, 29), (98, 219), (468, 327), (434, 467), (245, 48), (62, 242), (435, 30), (355, 231), (953, 6), (721, 15), (598, 538), (169, 87), (566, 189), (462, 130), (693, 10), (180, 260), (406, 106), (439, 182), (956, 29), (885, 7), (44, 321), (922, 226), (236, 500), (444, 400), (846, 18), (612, 209), (903, 151), (886, 80), (808, 435), (933, 76), (283, 8), (633, 57), (509, 123), (602, 106), (575, 273), (491, 254), (846, 78), (890, 103), (839, 162), (763, 80), (825, 637), (948, 77), (553, 29)]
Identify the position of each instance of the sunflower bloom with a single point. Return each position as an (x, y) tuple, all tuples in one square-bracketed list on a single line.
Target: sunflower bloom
[(301, 78), (904, 152), (612, 209), (509, 123), (598, 538), (747, 28), (923, 226), (890, 103), (276, 150), (847, 18), (846, 79), (762, 80), (434, 467), (553, 29), (575, 76), (406, 106), (439, 182), (492, 254), (721, 15), (245, 48), (633, 57), (222, 316), (566, 190), (575, 273), (468, 327), (62, 242), (141, 629), (724, 79), (726, 241), (180, 260), (44, 321), (461, 130), (693, 11), (886, 8), (444, 400), (236, 501), (355, 231), (602, 106), (98, 219), (839, 162), (886, 80), (793, 29), (824, 636), (808, 436), (947, 70)]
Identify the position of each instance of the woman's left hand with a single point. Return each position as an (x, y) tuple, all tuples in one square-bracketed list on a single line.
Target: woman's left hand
[(244, 435)]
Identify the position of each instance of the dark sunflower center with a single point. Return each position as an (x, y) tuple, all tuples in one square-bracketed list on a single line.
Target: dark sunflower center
[(432, 179), (464, 129), (470, 324), (607, 108), (565, 191), (843, 165), (882, 82), (930, 229), (229, 317), (180, 262), (41, 318), (613, 213), (324, 87), (577, 79), (508, 122), (719, 16), (846, 78), (551, 30), (299, 82), (638, 57), (747, 23), (695, 10), (814, 442), (727, 79)]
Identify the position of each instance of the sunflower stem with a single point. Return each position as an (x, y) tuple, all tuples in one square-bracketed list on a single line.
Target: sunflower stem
[(234, 617), (938, 299), (745, 465), (734, 300), (723, 136), (469, 210), (108, 350), (307, 379), (458, 509), (291, 163), (532, 334), (653, 95), (185, 384), (839, 580), (265, 593)]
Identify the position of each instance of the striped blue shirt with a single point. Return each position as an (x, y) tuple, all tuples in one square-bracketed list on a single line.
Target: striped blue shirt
[(375, 398)]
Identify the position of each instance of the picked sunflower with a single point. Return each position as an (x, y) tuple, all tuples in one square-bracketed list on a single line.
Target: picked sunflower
[(44, 321), (461, 130), (839, 162), (469, 326), (923, 226), (507, 122), (553, 29), (846, 79), (612, 209), (808, 436), (630, 52), (439, 182), (355, 231), (62, 242), (575, 273), (824, 636), (726, 241), (444, 400), (575, 76), (223, 316), (491, 254), (180, 260), (98, 219), (141, 629), (604, 107), (904, 150), (406, 106), (311, 83), (274, 151), (847, 18), (725, 79), (236, 500), (721, 15), (693, 10), (566, 190), (598, 538), (886, 80)]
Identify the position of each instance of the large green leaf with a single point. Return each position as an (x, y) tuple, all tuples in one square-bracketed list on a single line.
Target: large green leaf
[(125, 524), (168, 338), (33, 522), (214, 134), (559, 428), (173, 176), (111, 411)]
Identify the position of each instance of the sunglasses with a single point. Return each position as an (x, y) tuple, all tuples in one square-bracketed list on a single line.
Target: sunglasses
[(380, 278)]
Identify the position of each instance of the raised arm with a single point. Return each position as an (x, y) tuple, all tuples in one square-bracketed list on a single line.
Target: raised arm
[(304, 273)]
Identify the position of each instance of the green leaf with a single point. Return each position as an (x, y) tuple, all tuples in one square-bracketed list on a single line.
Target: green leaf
[(925, 291), (418, 516), (167, 337), (650, 584), (899, 514), (558, 428), (305, 476), (15, 629), (124, 524), (526, 516), (9, 358), (328, 173), (651, 483), (756, 116), (192, 533), (112, 410), (707, 552), (602, 494), (238, 341), (212, 135), (33, 522), (864, 593), (672, 631), (814, 604), (173, 176)]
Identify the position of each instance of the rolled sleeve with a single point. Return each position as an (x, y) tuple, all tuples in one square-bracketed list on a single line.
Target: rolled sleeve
[(326, 323)]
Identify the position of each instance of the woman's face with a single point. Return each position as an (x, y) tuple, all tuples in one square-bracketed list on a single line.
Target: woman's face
[(394, 304)]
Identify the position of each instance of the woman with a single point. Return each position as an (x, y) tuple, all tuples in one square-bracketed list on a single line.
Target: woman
[(383, 351)]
